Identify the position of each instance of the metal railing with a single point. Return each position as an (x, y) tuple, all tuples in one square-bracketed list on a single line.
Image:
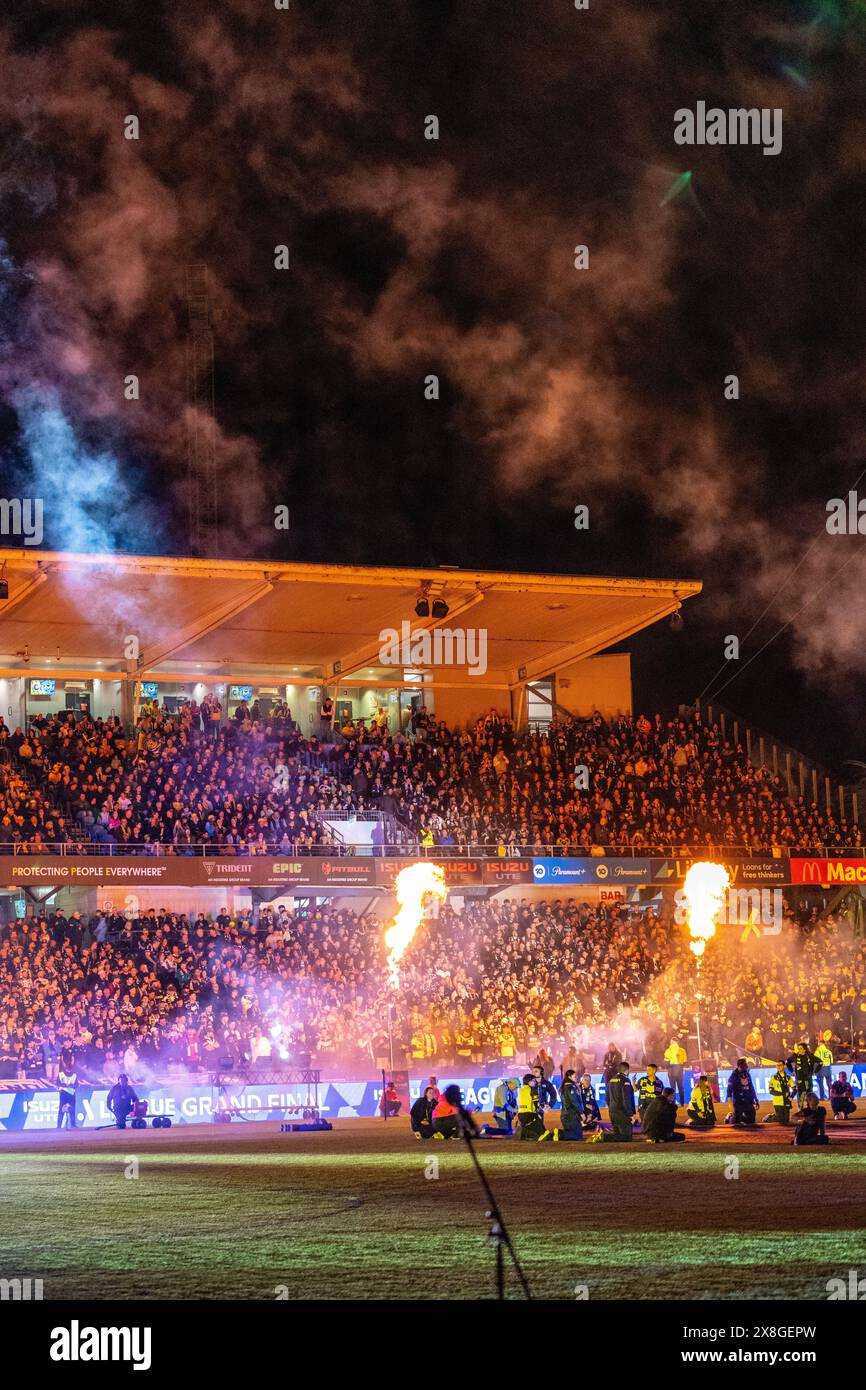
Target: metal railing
[(803, 777), (415, 850)]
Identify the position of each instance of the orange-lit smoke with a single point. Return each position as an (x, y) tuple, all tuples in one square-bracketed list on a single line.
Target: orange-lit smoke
[(413, 885), (704, 891)]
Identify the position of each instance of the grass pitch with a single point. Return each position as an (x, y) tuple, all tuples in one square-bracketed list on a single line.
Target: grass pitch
[(248, 1213)]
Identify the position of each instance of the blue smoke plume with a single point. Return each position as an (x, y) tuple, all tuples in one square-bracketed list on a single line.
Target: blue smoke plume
[(88, 503)]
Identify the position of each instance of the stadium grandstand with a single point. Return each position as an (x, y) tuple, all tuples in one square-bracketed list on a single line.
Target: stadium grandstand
[(269, 798)]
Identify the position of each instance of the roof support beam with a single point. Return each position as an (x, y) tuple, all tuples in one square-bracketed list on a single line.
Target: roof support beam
[(600, 641), (207, 622), (25, 591)]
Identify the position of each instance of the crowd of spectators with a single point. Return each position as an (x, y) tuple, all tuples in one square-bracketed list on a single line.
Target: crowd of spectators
[(189, 780), (485, 987)]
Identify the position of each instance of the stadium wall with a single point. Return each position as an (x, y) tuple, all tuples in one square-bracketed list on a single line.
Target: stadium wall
[(600, 683), (463, 706), (196, 1102)]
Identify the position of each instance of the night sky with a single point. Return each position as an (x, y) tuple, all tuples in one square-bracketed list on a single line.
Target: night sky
[(409, 256)]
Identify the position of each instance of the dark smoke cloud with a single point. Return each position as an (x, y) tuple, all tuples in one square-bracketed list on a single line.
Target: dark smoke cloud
[(456, 256)]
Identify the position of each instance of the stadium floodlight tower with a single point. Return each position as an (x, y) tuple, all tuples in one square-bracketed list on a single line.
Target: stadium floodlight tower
[(202, 476)]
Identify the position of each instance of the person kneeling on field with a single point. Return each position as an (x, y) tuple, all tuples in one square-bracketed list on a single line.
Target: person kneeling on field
[(445, 1115), (742, 1094), (702, 1110), (842, 1097), (659, 1119), (572, 1110), (451, 1119), (390, 1103), (528, 1109), (620, 1107), (421, 1114), (588, 1103), (810, 1122), (505, 1104)]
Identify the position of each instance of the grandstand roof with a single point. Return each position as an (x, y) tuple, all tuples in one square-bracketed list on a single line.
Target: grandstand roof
[(219, 619)]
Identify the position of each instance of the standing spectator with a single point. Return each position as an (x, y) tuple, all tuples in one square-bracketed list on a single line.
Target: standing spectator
[(611, 1062), (675, 1056), (50, 1054), (824, 1058), (326, 717)]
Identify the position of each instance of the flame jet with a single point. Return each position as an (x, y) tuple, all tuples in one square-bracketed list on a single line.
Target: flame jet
[(704, 889), (413, 885)]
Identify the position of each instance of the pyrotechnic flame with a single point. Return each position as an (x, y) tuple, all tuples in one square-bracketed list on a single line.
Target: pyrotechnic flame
[(413, 885), (704, 890)]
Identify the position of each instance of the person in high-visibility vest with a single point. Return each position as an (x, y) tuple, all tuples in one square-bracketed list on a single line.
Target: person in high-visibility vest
[(803, 1065), (825, 1058), (702, 1110), (676, 1059), (648, 1088), (67, 1080), (505, 1104), (781, 1093), (531, 1123)]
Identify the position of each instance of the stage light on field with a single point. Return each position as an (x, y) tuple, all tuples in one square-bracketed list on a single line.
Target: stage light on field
[(677, 621), (440, 608), (422, 608)]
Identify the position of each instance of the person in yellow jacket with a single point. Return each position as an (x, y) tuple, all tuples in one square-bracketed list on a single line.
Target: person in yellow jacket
[(676, 1059), (528, 1110), (702, 1110), (823, 1074), (779, 1087)]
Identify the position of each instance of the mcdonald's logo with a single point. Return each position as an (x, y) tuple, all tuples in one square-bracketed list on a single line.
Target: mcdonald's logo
[(828, 871), (810, 870)]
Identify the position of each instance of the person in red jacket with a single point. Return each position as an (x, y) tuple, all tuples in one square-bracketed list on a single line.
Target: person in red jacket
[(391, 1103), (445, 1118), (451, 1118)]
